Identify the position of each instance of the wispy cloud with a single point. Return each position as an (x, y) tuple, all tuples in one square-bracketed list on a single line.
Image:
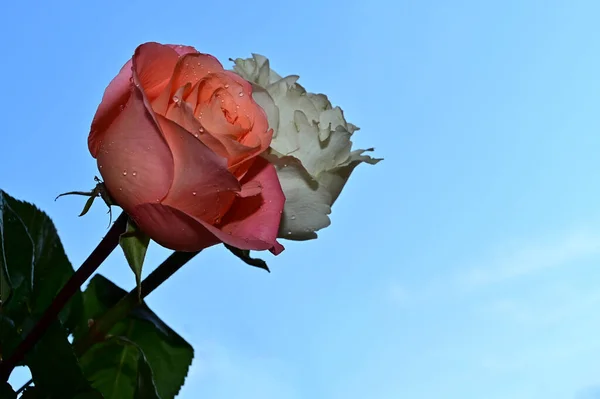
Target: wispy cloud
[(533, 258), (506, 264)]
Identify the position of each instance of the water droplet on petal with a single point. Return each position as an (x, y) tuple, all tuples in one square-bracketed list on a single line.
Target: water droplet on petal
[(194, 193), (289, 233), (122, 107), (201, 130), (134, 174), (227, 86), (120, 188), (124, 173), (241, 94), (196, 135), (100, 166), (293, 217)]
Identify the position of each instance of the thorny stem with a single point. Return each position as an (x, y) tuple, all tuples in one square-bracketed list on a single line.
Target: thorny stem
[(88, 267)]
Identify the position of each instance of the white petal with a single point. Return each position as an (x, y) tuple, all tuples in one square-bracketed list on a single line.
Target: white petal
[(329, 120), (317, 156), (263, 98), (320, 101), (307, 204), (256, 70), (335, 179)]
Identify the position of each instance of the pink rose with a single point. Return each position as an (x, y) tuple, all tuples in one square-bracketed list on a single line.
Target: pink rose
[(177, 139)]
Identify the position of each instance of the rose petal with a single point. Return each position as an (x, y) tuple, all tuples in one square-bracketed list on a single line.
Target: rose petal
[(154, 64), (307, 204), (134, 159), (114, 98), (172, 228), (256, 219), (190, 68), (181, 49), (202, 186)]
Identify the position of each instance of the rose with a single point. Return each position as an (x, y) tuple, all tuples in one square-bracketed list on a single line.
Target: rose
[(311, 147), (177, 140)]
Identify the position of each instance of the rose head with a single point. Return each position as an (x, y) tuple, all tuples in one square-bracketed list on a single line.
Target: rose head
[(177, 140)]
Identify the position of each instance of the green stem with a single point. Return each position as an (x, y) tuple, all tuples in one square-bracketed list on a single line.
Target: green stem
[(88, 267), (121, 309)]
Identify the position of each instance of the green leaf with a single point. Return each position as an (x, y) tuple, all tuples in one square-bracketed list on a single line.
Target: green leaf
[(87, 206), (55, 368), (16, 262), (134, 244), (244, 255), (36, 265), (9, 337), (118, 368), (168, 355), (145, 388), (6, 391)]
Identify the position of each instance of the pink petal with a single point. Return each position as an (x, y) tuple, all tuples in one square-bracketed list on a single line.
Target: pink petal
[(202, 186), (256, 219), (251, 223), (133, 158), (172, 228), (117, 93), (114, 98), (190, 68), (181, 49), (154, 64)]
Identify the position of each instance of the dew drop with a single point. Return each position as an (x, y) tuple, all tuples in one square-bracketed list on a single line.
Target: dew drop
[(194, 193), (196, 135), (100, 166), (227, 86), (201, 130), (134, 174), (124, 173), (122, 107), (293, 217), (289, 233), (120, 188), (241, 94)]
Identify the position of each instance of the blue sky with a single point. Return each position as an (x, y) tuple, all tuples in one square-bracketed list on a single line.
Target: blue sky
[(463, 266)]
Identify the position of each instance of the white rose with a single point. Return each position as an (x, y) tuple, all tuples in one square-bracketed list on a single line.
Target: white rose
[(311, 147)]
